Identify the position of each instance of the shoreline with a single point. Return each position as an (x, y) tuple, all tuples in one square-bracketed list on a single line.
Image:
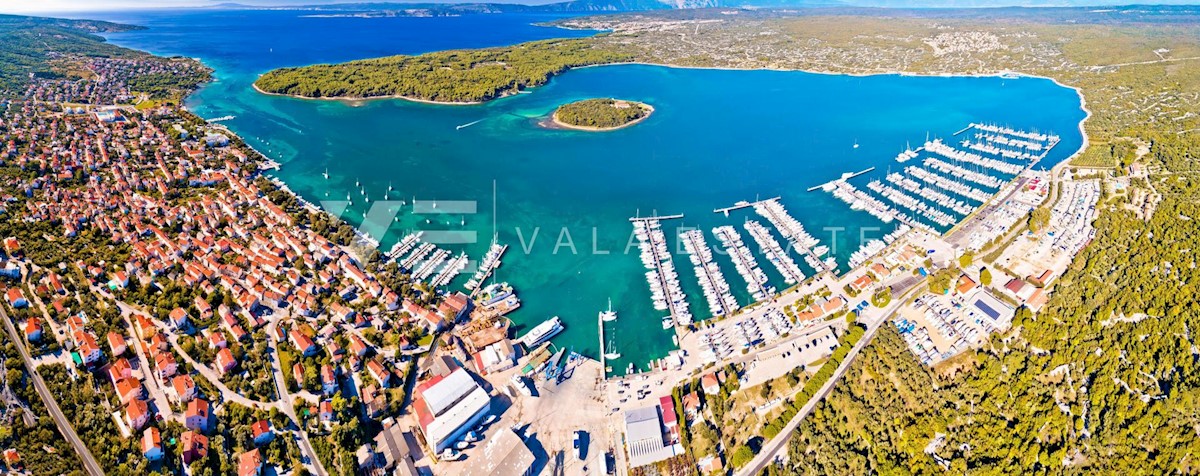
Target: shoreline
[(554, 123), (999, 74), (1087, 113), (373, 98), (1085, 143)]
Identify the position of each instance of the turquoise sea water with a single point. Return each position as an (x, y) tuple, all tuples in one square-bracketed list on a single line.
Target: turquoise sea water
[(562, 198)]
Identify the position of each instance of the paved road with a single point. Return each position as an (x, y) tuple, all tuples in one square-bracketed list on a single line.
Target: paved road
[(285, 404), (771, 449), (64, 425)]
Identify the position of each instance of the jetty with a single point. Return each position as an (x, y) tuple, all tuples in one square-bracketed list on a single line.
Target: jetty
[(663, 279), (794, 232), (744, 262), (712, 281), (450, 271), (423, 250), (405, 245), (656, 218), (490, 262), (845, 176), (742, 204), (775, 253)]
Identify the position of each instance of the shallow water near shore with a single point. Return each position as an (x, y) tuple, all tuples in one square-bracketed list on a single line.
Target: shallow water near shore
[(563, 197)]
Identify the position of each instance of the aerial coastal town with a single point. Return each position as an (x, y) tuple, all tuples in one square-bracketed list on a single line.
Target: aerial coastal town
[(179, 312)]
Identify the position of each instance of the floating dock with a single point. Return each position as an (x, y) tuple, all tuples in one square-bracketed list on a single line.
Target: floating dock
[(742, 204), (656, 218), (845, 176)]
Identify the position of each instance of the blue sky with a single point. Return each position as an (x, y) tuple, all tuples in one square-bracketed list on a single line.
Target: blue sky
[(50, 6)]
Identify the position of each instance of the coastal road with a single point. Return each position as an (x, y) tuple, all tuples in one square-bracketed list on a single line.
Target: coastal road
[(771, 449), (64, 425)]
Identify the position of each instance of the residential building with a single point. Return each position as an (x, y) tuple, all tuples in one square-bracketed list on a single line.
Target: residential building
[(192, 447), (197, 416), (152, 444)]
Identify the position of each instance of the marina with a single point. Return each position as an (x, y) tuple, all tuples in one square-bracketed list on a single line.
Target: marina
[(930, 195), (774, 253), (926, 191), (418, 254), (665, 290), (491, 261), (962, 173), (744, 262), (449, 159), (712, 281), (450, 271), (791, 229), (427, 267), (944, 184), (405, 245)]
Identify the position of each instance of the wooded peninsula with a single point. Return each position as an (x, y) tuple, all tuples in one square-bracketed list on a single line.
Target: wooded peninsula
[(600, 114), (454, 76)]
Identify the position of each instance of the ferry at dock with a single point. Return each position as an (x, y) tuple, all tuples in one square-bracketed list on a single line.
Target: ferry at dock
[(541, 333)]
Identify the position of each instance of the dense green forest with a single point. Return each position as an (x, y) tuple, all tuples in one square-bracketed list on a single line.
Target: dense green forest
[(602, 113), (445, 76), (26, 44)]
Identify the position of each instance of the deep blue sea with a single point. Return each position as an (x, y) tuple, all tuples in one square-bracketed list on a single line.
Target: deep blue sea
[(562, 198)]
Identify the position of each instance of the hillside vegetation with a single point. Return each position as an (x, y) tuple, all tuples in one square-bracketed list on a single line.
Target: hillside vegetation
[(446, 76), (31, 44), (1103, 379), (601, 113)]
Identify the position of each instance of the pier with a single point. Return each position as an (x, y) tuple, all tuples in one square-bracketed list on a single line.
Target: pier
[(405, 245), (845, 176), (744, 262), (742, 204), (712, 282), (450, 271), (793, 230), (775, 254), (663, 280), (427, 268), (219, 119), (656, 218), (417, 255), (488, 265)]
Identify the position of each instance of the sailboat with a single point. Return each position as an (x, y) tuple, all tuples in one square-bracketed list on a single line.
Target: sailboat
[(611, 354), (325, 174), (609, 315), (356, 183)]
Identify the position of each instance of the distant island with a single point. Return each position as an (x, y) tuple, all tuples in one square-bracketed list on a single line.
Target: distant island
[(452, 77), (600, 114)]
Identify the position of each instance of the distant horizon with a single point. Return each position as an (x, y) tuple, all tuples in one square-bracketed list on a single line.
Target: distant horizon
[(52, 7)]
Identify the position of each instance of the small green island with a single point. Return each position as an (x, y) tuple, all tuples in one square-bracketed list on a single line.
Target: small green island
[(600, 114), (449, 77)]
